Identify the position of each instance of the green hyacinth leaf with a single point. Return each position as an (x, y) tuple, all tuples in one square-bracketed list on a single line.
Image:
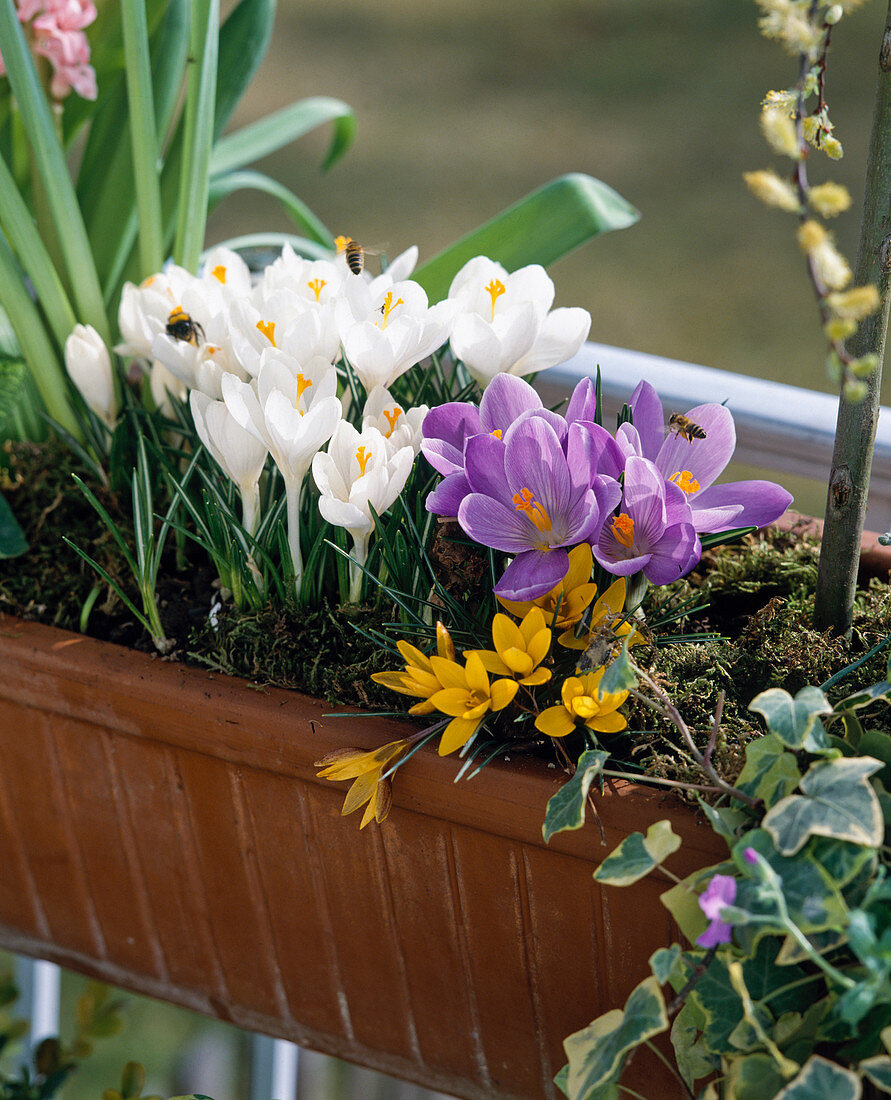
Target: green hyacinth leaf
[(795, 721), (12, 538), (566, 808), (821, 1079), (836, 801), (596, 1053), (770, 771), (637, 855), (539, 229)]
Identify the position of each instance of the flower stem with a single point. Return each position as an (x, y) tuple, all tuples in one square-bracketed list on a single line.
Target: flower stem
[(294, 494)]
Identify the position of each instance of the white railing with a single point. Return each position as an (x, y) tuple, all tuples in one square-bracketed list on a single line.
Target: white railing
[(781, 428)]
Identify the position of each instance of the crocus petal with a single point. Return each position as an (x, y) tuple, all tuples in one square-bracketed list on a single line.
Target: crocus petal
[(674, 555), (704, 458), (761, 502), (494, 524), (484, 458), (445, 430), (532, 574), (644, 501), (506, 399), (457, 733), (445, 500), (649, 419), (583, 402), (555, 722), (535, 460)]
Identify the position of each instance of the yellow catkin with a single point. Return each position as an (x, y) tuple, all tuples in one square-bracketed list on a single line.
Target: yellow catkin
[(770, 189), (779, 131), (856, 303), (829, 199)]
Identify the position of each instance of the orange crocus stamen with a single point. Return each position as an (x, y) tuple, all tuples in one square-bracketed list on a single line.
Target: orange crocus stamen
[(496, 432), (219, 272), (315, 285), (524, 502), (495, 289), (388, 307), (303, 384), (686, 481), (363, 457), (392, 416), (268, 330), (623, 528)]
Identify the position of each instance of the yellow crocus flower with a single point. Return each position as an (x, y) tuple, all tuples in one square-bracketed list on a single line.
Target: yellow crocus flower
[(583, 702), (418, 678), (365, 768), (606, 619), (519, 650), (467, 697)]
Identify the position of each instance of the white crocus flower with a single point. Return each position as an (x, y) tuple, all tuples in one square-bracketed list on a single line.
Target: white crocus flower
[(317, 281), (301, 329), (225, 277), (293, 416), (145, 309), (164, 385), (400, 427), (385, 334), (89, 367), (504, 324), (238, 453), (200, 364), (356, 475)]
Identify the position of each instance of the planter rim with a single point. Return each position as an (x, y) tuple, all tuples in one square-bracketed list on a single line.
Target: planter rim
[(283, 731)]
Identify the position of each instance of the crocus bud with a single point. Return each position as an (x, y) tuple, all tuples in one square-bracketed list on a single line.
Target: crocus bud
[(89, 367)]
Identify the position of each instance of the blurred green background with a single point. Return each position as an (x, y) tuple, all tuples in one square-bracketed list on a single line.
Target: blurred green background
[(464, 107)]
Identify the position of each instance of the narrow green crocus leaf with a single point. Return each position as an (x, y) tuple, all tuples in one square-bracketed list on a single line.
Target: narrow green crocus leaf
[(539, 229), (566, 808), (265, 136), (244, 39), (299, 213), (49, 158)]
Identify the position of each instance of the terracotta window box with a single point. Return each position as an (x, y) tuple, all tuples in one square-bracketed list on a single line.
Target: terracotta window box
[(163, 829)]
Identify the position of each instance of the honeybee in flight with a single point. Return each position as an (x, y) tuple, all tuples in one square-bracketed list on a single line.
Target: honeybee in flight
[(181, 327), (354, 253), (685, 427)]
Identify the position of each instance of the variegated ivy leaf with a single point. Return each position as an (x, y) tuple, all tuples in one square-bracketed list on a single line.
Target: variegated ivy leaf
[(666, 962), (620, 674), (597, 1053), (566, 808), (877, 1070), (866, 696), (770, 771), (836, 801), (691, 1053), (752, 1076), (637, 855), (795, 721), (725, 820), (821, 1079)]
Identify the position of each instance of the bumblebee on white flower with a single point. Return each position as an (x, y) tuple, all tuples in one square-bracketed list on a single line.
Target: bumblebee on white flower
[(505, 323)]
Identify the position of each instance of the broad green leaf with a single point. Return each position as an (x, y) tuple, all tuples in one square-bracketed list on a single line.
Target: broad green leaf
[(866, 696), (265, 136), (12, 378), (821, 1079), (693, 1058), (837, 801), (796, 721), (637, 855), (244, 40), (566, 808), (877, 743), (620, 674), (759, 1019), (561, 1078), (596, 1053), (725, 820), (666, 963), (12, 538), (770, 771), (877, 1070), (297, 210), (753, 1076), (539, 229)]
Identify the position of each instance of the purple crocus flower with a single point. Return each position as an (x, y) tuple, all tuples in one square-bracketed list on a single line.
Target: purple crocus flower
[(532, 498), (653, 532), (719, 893), (695, 465)]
